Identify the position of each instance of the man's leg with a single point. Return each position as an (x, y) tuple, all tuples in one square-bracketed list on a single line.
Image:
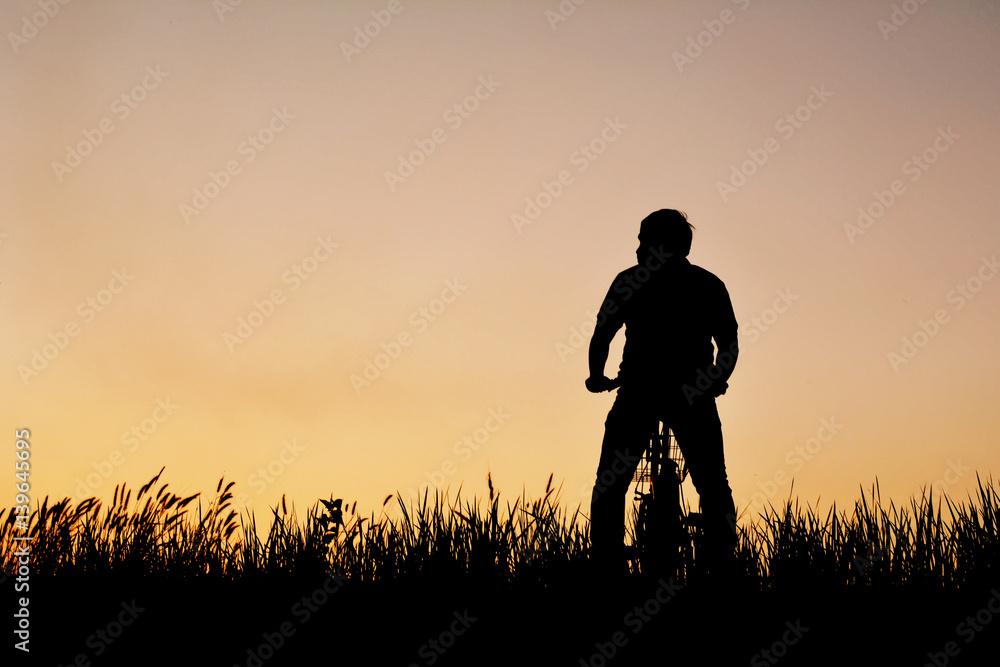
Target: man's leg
[(699, 434), (626, 432)]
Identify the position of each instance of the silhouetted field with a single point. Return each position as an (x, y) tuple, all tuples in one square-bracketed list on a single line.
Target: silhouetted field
[(160, 579)]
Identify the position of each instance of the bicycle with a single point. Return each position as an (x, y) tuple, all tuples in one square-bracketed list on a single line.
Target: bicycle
[(666, 534)]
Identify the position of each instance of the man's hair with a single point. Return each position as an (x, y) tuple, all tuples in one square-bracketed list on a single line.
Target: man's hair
[(667, 228)]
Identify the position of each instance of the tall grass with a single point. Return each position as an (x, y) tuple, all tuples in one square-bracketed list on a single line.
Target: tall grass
[(914, 545), (482, 538), (157, 536), (918, 544)]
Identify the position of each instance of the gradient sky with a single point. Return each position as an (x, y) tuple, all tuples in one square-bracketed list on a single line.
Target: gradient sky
[(308, 130)]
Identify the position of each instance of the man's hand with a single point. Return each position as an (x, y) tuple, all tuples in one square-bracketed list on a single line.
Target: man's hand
[(599, 384), (717, 387)]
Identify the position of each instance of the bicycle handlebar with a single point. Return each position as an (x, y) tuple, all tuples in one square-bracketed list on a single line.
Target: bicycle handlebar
[(615, 383)]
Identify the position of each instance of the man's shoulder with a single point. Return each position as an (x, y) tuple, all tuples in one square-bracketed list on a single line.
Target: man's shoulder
[(626, 273), (688, 270), (625, 277), (705, 275)]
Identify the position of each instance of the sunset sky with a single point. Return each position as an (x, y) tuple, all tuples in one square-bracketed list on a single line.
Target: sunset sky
[(351, 248)]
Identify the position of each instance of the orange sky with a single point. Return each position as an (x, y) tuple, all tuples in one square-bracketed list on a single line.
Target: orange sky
[(215, 220)]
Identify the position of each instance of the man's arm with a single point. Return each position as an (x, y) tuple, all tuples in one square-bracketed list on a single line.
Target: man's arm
[(725, 356), (609, 321), (599, 345), (727, 346)]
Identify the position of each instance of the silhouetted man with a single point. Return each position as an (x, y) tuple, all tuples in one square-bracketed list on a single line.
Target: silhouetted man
[(671, 311)]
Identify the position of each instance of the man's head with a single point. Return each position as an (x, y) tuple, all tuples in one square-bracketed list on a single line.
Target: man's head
[(667, 230)]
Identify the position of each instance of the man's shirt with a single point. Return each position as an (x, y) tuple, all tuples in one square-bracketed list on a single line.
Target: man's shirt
[(671, 311)]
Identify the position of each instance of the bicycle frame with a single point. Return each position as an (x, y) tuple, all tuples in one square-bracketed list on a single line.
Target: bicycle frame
[(665, 534)]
